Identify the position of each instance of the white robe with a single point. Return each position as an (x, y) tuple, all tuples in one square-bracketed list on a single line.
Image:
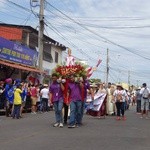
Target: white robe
[(110, 105), (70, 61)]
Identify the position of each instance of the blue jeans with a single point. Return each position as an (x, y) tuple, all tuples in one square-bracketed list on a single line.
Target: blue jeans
[(120, 108), (138, 107), (16, 111), (82, 109), (58, 105), (44, 104), (75, 112)]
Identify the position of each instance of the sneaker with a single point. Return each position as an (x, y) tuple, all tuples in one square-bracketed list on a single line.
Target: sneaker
[(124, 118), (56, 124), (147, 118), (71, 126), (118, 118), (61, 125)]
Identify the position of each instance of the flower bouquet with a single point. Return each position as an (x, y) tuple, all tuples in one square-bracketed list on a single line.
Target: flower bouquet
[(79, 70)]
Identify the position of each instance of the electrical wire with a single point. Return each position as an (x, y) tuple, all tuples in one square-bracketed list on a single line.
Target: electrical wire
[(102, 37), (108, 41)]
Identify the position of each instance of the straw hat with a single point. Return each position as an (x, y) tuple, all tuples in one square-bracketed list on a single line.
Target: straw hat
[(139, 88), (119, 85), (45, 85), (93, 85)]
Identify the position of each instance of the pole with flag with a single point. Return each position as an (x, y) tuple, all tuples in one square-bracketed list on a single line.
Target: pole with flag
[(90, 70), (98, 63)]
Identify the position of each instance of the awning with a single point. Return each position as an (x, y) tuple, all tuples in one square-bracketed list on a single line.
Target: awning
[(20, 66)]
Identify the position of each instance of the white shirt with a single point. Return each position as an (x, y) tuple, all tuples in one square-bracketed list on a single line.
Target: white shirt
[(133, 93), (45, 93), (122, 92), (142, 90)]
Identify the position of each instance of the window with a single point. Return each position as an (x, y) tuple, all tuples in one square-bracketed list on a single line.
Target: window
[(56, 57), (47, 55)]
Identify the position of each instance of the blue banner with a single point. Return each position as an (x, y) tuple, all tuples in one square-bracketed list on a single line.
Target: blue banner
[(18, 53)]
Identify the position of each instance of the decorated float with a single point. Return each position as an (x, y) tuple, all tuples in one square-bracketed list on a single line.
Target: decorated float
[(64, 73), (81, 72)]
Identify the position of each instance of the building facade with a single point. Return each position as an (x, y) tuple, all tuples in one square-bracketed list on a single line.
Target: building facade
[(26, 38)]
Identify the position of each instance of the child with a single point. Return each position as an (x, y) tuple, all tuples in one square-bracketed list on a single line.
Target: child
[(17, 102)]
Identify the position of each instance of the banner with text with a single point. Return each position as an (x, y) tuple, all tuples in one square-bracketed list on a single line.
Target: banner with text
[(18, 53), (96, 104)]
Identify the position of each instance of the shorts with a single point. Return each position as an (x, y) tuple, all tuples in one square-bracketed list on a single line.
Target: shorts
[(144, 104), (33, 100)]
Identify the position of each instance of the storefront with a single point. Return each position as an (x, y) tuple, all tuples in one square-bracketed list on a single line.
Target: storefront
[(17, 61)]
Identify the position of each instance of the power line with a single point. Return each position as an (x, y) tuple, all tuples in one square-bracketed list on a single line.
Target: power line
[(7, 2), (24, 8), (105, 39), (76, 47), (57, 32), (116, 27)]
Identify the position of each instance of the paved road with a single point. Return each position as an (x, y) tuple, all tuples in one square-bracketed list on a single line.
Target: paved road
[(35, 132)]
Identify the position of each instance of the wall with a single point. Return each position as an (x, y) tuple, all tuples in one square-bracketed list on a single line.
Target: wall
[(50, 66)]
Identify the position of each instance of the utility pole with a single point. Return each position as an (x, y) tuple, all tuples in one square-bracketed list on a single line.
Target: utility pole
[(107, 66), (40, 34)]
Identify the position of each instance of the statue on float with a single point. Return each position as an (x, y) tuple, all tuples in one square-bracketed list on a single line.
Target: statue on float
[(70, 60), (71, 67)]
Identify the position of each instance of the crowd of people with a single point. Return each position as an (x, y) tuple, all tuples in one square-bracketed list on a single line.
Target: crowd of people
[(16, 96), (69, 99), (120, 99)]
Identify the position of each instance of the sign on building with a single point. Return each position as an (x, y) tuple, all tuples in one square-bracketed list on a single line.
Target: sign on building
[(18, 53)]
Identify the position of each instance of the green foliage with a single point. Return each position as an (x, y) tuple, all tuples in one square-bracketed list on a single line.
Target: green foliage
[(94, 80)]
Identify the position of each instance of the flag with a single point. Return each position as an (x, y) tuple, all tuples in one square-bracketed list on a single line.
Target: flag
[(98, 63), (89, 71)]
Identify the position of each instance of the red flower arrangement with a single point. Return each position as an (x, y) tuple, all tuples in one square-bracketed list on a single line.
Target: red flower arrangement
[(65, 71)]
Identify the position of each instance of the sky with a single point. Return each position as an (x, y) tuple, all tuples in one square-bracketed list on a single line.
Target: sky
[(90, 27)]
